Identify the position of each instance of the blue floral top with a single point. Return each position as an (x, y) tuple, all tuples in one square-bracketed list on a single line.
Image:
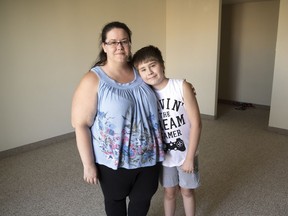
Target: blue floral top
[(126, 131)]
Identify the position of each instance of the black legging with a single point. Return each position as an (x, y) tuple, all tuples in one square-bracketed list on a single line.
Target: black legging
[(138, 184)]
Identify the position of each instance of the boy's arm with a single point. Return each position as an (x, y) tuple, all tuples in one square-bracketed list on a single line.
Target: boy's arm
[(193, 112)]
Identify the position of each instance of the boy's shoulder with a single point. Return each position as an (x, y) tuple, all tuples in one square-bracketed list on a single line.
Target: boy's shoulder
[(174, 81)]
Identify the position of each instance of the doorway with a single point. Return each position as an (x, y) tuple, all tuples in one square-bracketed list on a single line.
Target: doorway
[(247, 52)]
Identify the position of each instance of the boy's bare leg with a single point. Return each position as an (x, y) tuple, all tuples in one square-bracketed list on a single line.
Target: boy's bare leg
[(170, 195), (189, 201)]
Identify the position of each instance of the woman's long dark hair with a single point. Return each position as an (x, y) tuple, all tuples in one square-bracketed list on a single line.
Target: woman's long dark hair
[(102, 56)]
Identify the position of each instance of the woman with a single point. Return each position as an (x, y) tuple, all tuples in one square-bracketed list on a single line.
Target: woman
[(118, 136)]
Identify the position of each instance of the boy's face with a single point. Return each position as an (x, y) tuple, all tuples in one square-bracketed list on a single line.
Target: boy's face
[(152, 72)]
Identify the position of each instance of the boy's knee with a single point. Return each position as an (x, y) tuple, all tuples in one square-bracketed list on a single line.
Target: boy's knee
[(187, 192), (170, 194)]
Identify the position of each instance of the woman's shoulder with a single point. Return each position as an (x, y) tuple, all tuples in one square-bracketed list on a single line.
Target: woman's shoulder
[(91, 76), (89, 79)]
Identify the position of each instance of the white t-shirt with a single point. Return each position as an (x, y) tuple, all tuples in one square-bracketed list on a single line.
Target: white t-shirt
[(174, 122)]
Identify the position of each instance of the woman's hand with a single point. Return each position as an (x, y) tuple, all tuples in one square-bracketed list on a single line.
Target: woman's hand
[(90, 174)]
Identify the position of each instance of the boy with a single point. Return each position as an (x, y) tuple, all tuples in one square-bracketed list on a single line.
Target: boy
[(181, 125)]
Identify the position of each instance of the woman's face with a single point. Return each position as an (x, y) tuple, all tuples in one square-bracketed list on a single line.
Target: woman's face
[(117, 46)]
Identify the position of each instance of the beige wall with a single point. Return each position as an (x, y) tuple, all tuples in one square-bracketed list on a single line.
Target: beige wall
[(192, 34), (46, 47), (248, 41), (279, 104)]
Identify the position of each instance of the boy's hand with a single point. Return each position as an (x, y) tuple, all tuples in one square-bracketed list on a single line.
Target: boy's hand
[(188, 166)]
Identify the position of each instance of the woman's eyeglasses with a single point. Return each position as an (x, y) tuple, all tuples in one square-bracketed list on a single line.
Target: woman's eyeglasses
[(116, 43)]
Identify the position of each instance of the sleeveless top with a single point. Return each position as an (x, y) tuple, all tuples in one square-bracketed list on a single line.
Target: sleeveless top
[(174, 122), (126, 131)]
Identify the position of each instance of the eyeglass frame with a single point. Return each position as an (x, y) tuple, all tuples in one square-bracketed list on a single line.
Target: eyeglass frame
[(123, 43)]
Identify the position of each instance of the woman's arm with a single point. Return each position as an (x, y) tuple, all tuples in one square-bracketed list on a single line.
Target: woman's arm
[(84, 107)]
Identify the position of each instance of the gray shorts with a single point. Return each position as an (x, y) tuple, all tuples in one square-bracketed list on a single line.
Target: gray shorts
[(173, 176)]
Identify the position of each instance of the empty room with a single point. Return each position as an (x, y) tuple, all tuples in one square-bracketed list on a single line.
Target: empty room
[(234, 52)]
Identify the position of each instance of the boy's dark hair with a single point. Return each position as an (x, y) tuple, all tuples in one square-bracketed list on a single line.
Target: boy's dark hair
[(148, 53)]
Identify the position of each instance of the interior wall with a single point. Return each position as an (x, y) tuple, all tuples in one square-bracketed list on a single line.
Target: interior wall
[(279, 103), (248, 41), (46, 47), (192, 35)]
